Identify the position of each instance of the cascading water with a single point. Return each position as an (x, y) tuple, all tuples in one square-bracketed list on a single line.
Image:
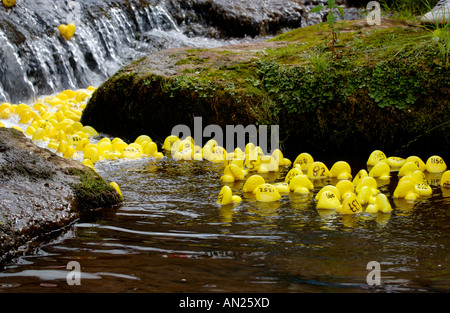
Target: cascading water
[(36, 59)]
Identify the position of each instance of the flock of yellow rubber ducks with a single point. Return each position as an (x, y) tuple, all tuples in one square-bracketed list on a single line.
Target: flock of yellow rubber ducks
[(350, 195), (55, 123)]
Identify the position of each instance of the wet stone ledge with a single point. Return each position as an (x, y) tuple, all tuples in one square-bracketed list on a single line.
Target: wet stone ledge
[(41, 193)]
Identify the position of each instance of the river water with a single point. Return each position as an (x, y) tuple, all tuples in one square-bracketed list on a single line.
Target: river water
[(170, 236)]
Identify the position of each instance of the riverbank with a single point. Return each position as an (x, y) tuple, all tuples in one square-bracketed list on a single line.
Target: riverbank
[(384, 87)]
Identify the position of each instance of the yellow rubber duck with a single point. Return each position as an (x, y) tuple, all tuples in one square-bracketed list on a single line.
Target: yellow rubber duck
[(303, 161), (328, 200), (292, 173), (406, 189), (435, 164), (350, 205), (300, 181), (67, 31), (380, 170), (345, 188), (361, 174), (395, 162), (408, 169), (233, 171), (415, 159), (252, 183), (331, 188), (116, 187), (367, 181), (366, 195), (9, 3), (318, 170), (383, 204), (341, 170), (375, 157), (423, 189), (267, 193), (445, 180), (282, 187)]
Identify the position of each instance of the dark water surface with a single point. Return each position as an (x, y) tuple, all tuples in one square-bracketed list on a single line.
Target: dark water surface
[(170, 236)]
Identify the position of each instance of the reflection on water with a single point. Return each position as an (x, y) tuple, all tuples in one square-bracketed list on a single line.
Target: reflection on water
[(170, 236)]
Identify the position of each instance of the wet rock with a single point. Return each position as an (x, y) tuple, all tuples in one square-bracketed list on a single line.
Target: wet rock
[(41, 192)]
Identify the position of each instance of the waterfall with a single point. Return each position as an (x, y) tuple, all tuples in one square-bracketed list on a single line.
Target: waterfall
[(36, 60)]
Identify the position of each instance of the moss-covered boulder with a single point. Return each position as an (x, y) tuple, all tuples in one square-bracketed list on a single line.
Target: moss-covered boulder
[(380, 87), (41, 193)]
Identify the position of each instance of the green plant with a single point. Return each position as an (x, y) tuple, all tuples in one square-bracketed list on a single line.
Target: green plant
[(442, 37), (331, 19)]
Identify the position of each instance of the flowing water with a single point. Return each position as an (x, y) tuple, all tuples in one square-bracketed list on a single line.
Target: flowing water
[(170, 236)]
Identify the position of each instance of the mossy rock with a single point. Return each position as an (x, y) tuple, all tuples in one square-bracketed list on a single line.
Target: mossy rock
[(42, 193), (381, 87)]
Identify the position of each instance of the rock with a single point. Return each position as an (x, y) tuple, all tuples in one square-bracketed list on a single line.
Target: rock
[(41, 192)]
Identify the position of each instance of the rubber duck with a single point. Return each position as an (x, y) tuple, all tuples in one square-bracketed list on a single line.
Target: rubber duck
[(234, 171), (382, 203), (420, 164), (423, 189), (395, 162), (406, 189), (292, 173), (116, 187), (300, 181), (341, 170), (111, 155), (303, 161), (278, 156), (90, 131), (318, 170), (380, 170), (367, 181), (331, 188), (328, 200), (150, 149), (435, 164), (366, 195), (225, 196), (142, 138), (67, 31), (90, 153), (282, 187), (169, 141), (252, 162), (445, 179), (408, 169), (267, 193), (9, 3), (350, 205), (131, 152), (345, 188), (375, 157), (361, 174), (252, 183), (371, 208), (419, 177), (268, 164)]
